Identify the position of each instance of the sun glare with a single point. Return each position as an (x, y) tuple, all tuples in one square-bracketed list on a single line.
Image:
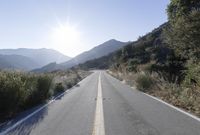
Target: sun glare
[(65, 35)]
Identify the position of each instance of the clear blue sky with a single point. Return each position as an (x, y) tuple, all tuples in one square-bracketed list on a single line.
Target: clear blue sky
[(31, 23)]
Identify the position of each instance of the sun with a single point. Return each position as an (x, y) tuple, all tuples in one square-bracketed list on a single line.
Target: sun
[(65, 35)]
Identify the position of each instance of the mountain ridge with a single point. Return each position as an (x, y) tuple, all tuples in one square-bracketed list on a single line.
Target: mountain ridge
[(104, 49), (153, 42), (16, 62), (41, 56), (96, 52)]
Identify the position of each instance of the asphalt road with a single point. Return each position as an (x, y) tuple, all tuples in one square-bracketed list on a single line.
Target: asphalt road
[(103, 105)]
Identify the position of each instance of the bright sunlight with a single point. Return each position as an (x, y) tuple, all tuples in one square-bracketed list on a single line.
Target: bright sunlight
[(65, 36)]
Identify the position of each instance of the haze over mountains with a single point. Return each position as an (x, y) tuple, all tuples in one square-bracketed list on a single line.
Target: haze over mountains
[(96, 52), (28, 59), (46, 60), (17, 62)]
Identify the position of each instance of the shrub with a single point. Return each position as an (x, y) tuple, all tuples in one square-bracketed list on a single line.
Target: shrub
[(192, 75), (144, 82), (172, 70), (20, 91), (148, 68), (132, 65), (11, 92), (68, 85), (58, 88), (43, 86), (42, 91)]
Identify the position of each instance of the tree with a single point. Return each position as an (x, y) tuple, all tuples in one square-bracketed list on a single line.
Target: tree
[(183, 34), (179, 8)]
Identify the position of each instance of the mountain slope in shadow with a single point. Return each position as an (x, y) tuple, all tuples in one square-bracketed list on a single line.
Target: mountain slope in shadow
[(96, 52)]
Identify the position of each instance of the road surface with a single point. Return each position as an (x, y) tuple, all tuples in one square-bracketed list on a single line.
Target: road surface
[(102, 105)]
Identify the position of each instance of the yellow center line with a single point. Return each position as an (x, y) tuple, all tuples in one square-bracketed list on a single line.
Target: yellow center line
[(99, 115)]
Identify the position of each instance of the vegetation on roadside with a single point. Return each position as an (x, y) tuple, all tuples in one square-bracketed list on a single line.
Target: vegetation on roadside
[(166, 61), (20, 91), (144, 82)]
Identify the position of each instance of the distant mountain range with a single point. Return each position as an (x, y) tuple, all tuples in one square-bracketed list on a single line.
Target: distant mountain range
[(17, 62), (96, 52), (28, 59)]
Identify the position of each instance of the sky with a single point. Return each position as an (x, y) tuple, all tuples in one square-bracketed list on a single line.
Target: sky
[(74, 26)]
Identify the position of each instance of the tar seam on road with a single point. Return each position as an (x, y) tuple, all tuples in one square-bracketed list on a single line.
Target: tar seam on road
[(30, 115), (98, 128)]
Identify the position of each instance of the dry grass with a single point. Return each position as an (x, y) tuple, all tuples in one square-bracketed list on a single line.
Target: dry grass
[(187, 98)]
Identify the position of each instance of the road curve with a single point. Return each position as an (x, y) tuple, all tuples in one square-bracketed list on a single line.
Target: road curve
[(120, 109)]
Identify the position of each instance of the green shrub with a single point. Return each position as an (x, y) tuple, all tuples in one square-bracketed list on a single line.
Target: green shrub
[(192, 77), (68, 85), (11, 92), (43, 86), (42, 91), (144, 82), (132, 65), (59, 88), (20, 91), (148, 68)]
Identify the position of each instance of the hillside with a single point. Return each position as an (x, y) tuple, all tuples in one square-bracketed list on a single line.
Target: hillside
[(49, 68), (40, 56), (17, 62), (150, 46), (96, 52), (164, 63)]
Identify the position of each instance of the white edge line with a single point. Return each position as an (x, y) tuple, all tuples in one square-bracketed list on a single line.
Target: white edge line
[(36, 111), (176, 108), (169, 105), (33, 113)]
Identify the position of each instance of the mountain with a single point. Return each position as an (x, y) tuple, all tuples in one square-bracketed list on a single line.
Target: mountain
[(40, 56), (150, 47), (49, 67), (96, 52), (17, 62)]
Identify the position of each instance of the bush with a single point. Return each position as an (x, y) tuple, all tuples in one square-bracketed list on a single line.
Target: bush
[(172, 70), (11, 92), (192, 77), (20, 91), (43, 86), (144, 82), (148, 68), (68, 85), (42, 91), (132, 65), (59, 88)]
